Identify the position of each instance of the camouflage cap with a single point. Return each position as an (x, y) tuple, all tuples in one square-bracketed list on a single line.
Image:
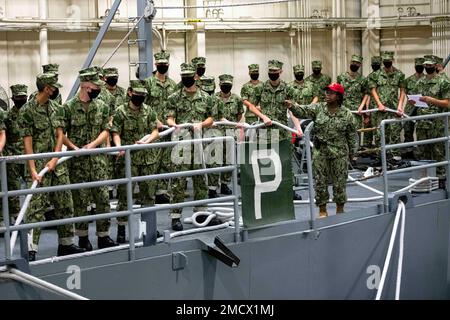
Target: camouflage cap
[(429, 59), (387, 55), (275, 65), (208, 83), (438, 60), (19, 90), (357, 58), (198, 61), (51, 68), (316, 64), (253, 67), (88, 70), (226, 78), (48, 79), (162, 57), (376, 60), (187, 69), (110, 72), (138, 86), (299, 68), (419, 61), (91, 77)]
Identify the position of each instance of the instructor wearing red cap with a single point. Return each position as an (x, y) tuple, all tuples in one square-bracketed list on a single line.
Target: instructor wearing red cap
[(334, 142)]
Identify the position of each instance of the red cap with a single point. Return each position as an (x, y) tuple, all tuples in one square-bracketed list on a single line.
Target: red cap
[(336, 87)]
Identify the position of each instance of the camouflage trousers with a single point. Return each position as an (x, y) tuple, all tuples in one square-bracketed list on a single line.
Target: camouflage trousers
[(326, 170), (164, 166), (179, 185), (436, 151), (15, 172), (146, 189), (61, 201), (88, 169), (223, 160), (392, 131), (408, 127)]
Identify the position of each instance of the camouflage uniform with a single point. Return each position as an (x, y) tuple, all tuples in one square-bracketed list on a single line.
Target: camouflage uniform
[(157, 93), (334, 138), (372, 104), (40, 122), (411, 82), (84, 127), (3, 116), (196, 62), (119, 93), (437, 87), (49, 68), (301, 92), (321, 82), (355, 90), (14, 146), (131, 125), (188, 108), (250, 92), (232, 109), (387, 86)]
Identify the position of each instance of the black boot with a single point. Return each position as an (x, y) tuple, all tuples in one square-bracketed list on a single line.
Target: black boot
[(177, 225), (106, 242), (162, 198), (212, 194), (83, 242), (297, 196), (225, 190), (121, 234), (70, 249), (31, 255)]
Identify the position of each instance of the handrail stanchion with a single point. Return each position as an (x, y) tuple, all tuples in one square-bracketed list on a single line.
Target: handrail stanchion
[(447, 157), (130, 203), (310, 174), (384, 167), (5, 209), (235, 188)]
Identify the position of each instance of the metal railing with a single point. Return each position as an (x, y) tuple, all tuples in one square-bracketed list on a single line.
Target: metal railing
[(128, 180), (385, 147)]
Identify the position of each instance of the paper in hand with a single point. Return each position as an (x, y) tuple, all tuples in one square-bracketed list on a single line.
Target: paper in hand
[(418, 103)]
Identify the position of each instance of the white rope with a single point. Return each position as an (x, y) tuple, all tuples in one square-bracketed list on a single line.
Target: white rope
[(400, 253), (229, 5)]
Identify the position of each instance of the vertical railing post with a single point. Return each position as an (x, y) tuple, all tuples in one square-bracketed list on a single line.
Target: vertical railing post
[(310, 175), (235, 188), (447, 157), (130, 203), (5, 209), (384, 167)]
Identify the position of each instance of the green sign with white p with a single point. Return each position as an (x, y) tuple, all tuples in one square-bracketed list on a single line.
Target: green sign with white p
[(266, 183)]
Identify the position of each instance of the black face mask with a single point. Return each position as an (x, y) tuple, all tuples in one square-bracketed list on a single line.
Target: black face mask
[(254, 76), (299, 76), (93, 94), (112, 81), (188, 81), (19, 102), (430, 70), (387, 64), (376, 67), (226, 88), (274, 76), (201, 71), (162, 68), (317, 71), (354, 67), (137, 100), (54, 94), (419, 69)]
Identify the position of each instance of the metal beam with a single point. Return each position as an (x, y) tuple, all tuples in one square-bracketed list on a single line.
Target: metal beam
[(145, 40), (97, 43)]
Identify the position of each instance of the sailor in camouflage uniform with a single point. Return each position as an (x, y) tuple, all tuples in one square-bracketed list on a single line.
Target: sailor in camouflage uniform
[(250, 91), (319, 79), (87, 123), (334, 139), (132, 121), (51, 68), (388, 90), (369, 119), (159, 88), (302, 91), (435, 90), (111, 77), (188, 105), (41, 124), (14, 145)]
